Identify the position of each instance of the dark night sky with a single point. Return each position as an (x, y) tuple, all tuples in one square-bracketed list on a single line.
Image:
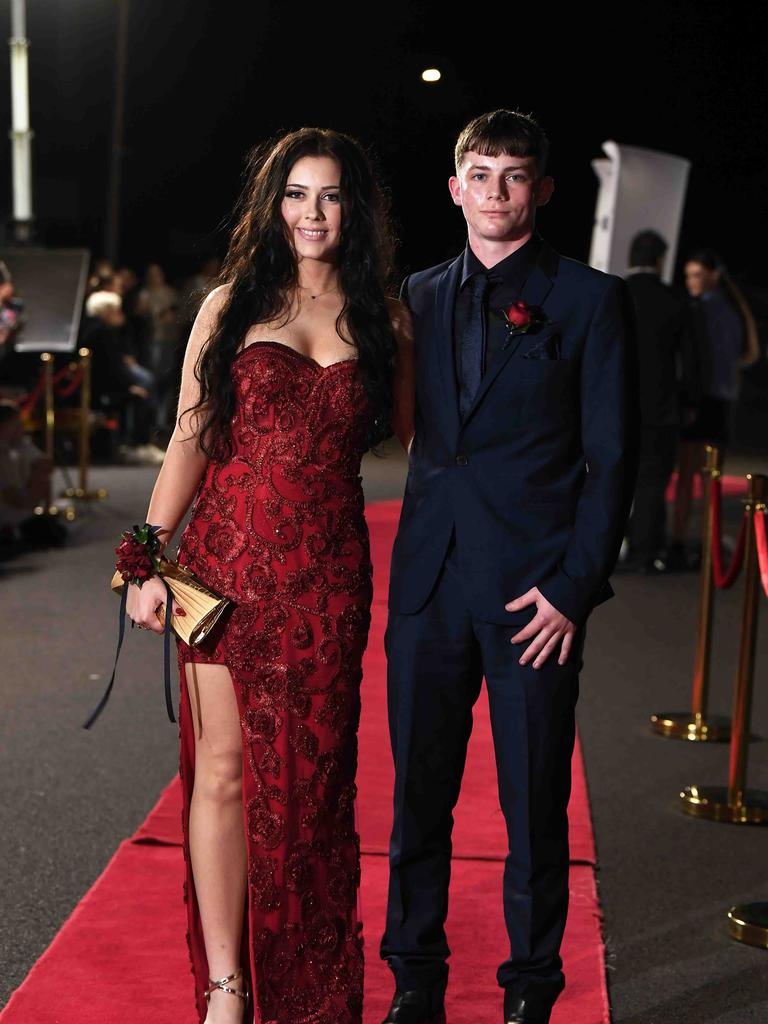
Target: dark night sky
[(206, 81)]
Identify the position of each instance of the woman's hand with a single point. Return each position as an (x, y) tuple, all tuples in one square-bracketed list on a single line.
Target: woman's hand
[(144, 601)]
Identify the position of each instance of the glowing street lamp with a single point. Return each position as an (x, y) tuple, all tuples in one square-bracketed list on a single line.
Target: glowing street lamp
[(431, 75)]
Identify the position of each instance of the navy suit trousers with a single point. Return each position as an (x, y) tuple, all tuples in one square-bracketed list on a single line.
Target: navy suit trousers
[(437, 659)]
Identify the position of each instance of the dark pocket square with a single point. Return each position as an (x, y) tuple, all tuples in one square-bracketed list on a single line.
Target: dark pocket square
[(547, 348)]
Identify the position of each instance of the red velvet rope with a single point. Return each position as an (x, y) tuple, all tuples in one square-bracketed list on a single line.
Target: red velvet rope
[(762, 548), (71, 386), (64, 390), (725, 579), (33, 397)]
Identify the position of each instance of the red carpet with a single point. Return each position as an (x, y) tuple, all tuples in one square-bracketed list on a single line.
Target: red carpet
[(122, 952)]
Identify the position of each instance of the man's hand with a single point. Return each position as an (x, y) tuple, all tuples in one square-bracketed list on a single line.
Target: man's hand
[(548, 626)]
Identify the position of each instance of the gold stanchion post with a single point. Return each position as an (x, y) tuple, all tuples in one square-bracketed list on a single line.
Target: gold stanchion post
[(49, 509), (735, 803), (696, 724), (82, 491), (50, 414), (748, 923)]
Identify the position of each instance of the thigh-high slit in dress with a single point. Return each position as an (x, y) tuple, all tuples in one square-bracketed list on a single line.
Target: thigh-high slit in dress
[(278, 527)]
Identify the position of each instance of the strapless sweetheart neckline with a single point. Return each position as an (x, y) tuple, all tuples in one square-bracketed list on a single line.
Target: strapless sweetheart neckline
[(301, 355)]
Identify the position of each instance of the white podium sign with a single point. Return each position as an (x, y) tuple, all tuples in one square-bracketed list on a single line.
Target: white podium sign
[(639, 189)]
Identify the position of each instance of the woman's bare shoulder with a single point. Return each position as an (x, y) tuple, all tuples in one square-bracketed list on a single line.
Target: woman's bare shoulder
[(214, 301)]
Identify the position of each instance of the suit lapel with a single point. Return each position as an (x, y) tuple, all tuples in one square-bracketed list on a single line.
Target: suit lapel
[(445, 295), (535, 291)]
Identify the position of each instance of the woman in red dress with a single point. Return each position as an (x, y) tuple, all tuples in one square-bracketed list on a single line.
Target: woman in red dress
[(295, 366)]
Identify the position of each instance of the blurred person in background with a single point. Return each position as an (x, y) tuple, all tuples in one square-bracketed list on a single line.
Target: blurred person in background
[(9, 313), (100, 277), (118, 377), (192, 293), (161, 301), (668, 392), (25, 482), (726, 340), (198, 285), (138, 320), (19, 371)]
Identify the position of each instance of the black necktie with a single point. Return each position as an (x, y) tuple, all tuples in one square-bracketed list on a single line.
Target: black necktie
[(472, 352)]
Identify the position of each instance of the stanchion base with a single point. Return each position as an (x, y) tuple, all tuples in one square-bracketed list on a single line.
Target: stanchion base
[(712, 802), (748, 923), (682, 725), (77, 492), (67, 512)]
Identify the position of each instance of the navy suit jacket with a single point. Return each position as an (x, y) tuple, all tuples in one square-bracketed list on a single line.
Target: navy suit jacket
[(537, 481)]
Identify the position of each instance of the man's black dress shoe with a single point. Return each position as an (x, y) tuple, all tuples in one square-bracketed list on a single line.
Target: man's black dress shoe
[(417, 1006), (519, 1010)]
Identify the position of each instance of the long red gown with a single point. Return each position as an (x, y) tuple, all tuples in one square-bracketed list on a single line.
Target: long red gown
[(278, 527)]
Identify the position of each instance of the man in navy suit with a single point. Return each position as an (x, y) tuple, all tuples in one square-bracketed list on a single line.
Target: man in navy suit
[(519, 484)]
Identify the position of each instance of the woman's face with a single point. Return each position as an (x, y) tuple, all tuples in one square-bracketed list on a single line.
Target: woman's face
[(700, 279), (311, 207)]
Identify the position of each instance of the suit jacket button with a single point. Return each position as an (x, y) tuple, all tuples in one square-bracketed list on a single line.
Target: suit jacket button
[(461, 460)]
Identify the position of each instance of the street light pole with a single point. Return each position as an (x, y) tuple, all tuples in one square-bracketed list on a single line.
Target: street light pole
[(20, 134), (112, 231)]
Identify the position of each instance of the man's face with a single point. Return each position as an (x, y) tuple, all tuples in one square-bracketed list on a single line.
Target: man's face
[(700, 279), (499, 195)]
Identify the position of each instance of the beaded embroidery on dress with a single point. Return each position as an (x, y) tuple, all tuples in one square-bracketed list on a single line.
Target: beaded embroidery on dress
[(278, 527)]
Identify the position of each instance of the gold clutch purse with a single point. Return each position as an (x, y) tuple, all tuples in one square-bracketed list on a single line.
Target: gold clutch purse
[(203, 607)]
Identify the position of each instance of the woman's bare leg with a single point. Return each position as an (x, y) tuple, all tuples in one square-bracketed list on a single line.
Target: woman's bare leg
[(216, 831)]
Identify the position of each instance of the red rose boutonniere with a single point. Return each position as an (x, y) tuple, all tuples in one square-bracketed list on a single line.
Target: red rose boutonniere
[(520, 318)]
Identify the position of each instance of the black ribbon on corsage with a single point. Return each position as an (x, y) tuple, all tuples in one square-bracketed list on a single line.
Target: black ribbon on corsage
[(129, 558), (166, 658)]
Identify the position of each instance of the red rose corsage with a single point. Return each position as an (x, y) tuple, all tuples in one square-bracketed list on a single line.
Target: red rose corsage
[(138, 554)]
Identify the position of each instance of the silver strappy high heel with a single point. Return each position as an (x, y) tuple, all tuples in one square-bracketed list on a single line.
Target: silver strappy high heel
[(223, 985)]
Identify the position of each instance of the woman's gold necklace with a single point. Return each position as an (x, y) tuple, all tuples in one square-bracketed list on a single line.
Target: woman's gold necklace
[(304, 288)]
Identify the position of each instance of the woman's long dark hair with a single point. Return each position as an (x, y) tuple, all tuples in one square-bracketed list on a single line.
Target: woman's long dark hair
[(261, 269), (710, 259)]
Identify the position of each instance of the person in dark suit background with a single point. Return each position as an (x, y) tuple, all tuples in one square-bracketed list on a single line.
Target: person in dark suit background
[(668, 391), (519, 484), (727, 343)]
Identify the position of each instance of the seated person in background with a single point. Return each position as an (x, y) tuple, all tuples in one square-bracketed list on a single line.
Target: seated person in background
[(117, 374), (25, 481), (9, 315)]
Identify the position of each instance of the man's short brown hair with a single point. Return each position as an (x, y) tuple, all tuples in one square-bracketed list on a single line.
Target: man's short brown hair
[(502, 132)]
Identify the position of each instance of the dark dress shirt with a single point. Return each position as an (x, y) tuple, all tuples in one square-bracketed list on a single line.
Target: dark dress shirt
[(506, 283)]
